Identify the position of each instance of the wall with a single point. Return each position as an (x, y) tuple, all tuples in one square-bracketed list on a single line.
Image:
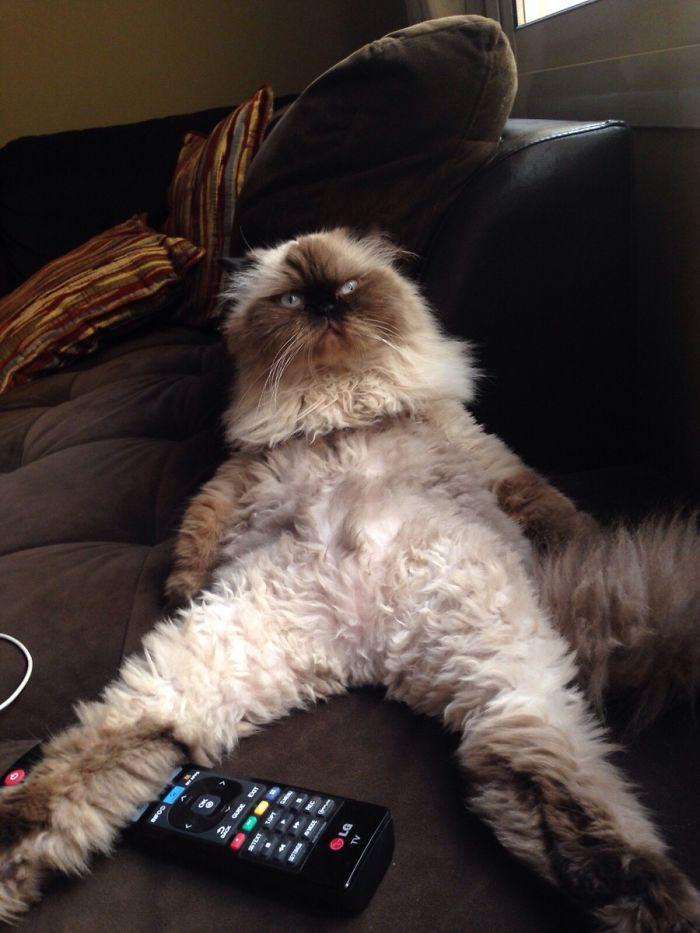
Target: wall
[(70, 64)]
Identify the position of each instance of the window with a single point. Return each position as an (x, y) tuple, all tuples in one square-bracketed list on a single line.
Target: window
[(527, 11)]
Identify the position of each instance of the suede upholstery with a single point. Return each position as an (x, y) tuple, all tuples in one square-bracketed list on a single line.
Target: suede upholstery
[(96, 463)]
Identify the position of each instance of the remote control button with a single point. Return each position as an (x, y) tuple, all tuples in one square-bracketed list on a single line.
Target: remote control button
[(297, 826), (224, 831), (255, 846), (282, 850), (272, 818), (314, 829), (336, 844), (190, 777), (238, 841), (296, 856), (273, 793), (284, 823), (269, 847), (287, 797), (14, 777), (326, 808), (225, 789), (298, 802), (249, 824), (173, 794), (254, 791), (182, 818), (261, 808), (205, 804), (312, 805), (239, 810)]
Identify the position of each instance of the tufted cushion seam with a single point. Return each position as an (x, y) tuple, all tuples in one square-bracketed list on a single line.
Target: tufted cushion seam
[(127, 627), (24, 441), (199, 347), (7, 397), (156, 530), (90, 443), (200, 429), (175, 377), (58, 544)]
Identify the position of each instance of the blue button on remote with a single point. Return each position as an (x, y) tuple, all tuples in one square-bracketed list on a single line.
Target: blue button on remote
[(172, 796), (273, 793)]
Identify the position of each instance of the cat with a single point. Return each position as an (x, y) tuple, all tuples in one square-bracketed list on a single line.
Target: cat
[(366, 530)]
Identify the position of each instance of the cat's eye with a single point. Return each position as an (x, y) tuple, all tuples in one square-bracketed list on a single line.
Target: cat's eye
[(347, 288), (291, 300)]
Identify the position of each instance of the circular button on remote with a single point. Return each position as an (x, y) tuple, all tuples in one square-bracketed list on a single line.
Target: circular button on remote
[(336, 844), (203, 803), (14, 777)]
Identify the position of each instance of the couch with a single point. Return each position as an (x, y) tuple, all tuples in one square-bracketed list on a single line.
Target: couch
[(531, 260)]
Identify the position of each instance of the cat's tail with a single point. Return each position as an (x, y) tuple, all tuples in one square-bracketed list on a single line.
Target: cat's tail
[(628, 601)]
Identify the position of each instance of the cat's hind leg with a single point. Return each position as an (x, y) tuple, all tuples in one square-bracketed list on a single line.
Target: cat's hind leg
[(471, 644), (226, 666)]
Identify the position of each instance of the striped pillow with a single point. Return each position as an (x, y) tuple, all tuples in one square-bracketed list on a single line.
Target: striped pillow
[(110, 283), (204, 190)]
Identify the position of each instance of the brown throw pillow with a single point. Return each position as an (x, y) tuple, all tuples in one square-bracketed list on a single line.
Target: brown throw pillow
[(384, 138)]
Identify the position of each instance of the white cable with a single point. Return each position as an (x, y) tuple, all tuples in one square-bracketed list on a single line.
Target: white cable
[(27, 674)]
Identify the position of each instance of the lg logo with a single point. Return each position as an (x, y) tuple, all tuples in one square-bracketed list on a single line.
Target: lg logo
[(337, 843)]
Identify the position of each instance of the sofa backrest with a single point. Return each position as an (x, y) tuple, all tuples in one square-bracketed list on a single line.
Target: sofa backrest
[(57, 191), (530, 260)]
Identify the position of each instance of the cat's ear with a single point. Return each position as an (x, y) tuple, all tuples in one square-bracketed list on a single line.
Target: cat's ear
[(383, 244)]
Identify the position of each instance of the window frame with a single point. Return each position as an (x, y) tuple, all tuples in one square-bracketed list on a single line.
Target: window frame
[(587, 63)]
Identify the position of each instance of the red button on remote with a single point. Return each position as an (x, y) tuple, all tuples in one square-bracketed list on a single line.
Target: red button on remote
[(14, 777), (337, 843), (237, 841)]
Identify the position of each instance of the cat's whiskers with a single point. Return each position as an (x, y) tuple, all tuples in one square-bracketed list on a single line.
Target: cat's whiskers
[(385, 341), (275, 363), (283, 365)]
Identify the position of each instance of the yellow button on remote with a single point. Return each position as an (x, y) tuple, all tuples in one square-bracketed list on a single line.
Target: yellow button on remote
[(261, 807)]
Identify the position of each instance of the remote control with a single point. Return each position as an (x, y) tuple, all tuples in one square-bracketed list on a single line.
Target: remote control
[(318, 845)]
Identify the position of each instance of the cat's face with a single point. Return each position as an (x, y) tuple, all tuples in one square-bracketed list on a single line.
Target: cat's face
[(327, 334), (325, 300)]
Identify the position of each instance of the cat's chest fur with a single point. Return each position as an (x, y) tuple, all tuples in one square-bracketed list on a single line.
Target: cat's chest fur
[(362, 494)]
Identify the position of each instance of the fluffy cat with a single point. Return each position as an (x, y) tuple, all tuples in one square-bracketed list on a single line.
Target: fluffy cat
[(359, 534)]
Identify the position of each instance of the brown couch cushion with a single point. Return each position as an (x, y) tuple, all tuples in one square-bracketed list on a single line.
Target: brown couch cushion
[(384, 138), (95, 464)]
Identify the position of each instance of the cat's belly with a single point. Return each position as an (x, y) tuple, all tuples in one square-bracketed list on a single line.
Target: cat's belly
[(354, 527), (337, 543)]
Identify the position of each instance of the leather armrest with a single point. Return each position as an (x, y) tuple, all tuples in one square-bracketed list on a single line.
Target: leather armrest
[(532, 262)]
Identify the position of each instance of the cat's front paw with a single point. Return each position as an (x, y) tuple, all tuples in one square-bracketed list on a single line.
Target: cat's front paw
[(182, 586), (21, 868), (546, 516)]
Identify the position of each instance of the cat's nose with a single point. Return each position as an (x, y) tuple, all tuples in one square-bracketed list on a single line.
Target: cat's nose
[(328, 307)]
